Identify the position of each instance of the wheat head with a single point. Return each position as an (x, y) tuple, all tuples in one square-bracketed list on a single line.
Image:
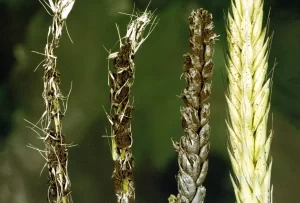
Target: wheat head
[(193, 147), (248, 101), (56, 152), (120, 81)]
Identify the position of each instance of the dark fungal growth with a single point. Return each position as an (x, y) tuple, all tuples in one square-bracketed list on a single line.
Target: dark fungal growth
[(194, 145), (51, 121), (121, 79), (121, 122)]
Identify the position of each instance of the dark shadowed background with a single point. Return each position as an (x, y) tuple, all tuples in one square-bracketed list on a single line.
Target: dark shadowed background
[(91, 24)]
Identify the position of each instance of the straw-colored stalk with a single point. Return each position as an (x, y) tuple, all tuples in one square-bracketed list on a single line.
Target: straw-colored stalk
[(194, 145), (248, 101), (56, 153), (120, 82)]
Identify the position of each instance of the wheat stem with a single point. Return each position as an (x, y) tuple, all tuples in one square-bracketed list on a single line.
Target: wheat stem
[(120, 82), (194, 146), (248, 102)]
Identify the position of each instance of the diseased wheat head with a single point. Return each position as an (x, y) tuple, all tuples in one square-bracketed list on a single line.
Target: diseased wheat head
[(248, 101), (56, 148), (120, 81), (194, 145)]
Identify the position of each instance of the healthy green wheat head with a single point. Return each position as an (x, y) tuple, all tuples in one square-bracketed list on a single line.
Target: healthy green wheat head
[(248, 101)]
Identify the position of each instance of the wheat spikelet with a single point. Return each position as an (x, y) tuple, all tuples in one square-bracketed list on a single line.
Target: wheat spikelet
[(248, 102), (56, 153), (194, 146), (120, 82)]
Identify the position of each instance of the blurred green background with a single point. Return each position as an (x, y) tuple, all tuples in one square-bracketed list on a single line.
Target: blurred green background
[(159, 61)]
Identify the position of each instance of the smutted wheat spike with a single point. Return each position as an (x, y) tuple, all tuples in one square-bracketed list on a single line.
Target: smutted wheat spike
[(120, 82), (55, 153), (194, 146), (248, 102)]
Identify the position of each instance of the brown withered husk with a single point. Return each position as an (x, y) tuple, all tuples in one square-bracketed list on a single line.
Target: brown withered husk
[(120, 84), (194, 146), (56, 152), (56, 148)]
